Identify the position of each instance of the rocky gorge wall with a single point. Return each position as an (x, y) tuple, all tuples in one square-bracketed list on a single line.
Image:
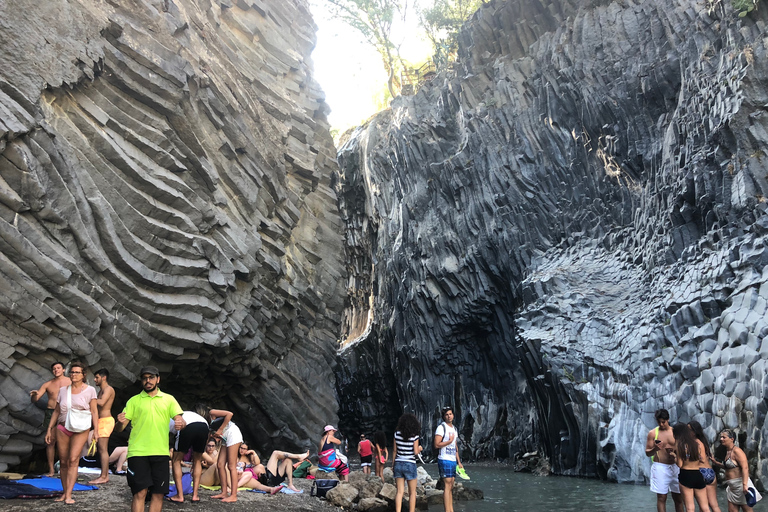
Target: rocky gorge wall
[(165, 198), (566, 232)]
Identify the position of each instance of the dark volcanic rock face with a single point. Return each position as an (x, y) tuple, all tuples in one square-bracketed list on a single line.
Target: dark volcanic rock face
[(567, 233), (165, 197)]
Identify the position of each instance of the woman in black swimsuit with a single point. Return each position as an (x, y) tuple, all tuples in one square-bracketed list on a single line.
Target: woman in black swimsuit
[(707, 472), (689, 453)]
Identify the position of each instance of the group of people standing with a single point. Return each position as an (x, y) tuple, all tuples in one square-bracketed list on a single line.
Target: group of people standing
[(407, 447), (76, 410), (682, 463)]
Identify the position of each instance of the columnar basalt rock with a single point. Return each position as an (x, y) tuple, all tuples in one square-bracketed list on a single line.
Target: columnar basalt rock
[(165, 198), (566, 232)]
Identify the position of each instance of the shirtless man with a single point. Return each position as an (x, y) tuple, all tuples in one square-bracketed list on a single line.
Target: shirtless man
[(106, 421), (658, 445), (52, 388)]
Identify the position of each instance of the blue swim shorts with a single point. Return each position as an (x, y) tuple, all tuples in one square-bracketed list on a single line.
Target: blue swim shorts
[(405, 470), (446, 468)]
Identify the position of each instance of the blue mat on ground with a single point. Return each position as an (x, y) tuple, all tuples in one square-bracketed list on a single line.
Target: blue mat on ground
[(54, 484), (12, 489), (186, 485)]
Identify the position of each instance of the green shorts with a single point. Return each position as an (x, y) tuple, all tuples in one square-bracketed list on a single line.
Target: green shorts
[(47, 419)]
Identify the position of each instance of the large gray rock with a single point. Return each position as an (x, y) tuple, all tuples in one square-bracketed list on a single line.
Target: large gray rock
[(372, 505), (565, 233), (343, 495), (165, 198)]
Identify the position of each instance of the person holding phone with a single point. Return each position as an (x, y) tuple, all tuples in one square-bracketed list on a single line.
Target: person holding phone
[(659, 446)]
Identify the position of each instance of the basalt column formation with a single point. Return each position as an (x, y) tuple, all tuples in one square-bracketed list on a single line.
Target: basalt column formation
[(565, 232), (165, 199)]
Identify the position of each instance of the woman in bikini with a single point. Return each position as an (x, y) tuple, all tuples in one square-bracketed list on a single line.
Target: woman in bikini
[(707, 472), (80, 396), (737, 479), (247, 460), (210, 476), (381, 452), (689, 455)]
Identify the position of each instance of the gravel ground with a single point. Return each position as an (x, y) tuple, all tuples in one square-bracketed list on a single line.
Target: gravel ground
[(116, 497)]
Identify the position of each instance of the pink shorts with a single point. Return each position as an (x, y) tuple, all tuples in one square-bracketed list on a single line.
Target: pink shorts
[(64, 430)]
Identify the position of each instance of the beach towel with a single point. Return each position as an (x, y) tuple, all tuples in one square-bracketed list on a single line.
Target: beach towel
[(218, 487), (48, 483), (12, 489), (302, 469)]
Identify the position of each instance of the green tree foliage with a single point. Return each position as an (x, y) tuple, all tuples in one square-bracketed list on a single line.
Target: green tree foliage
[(442, 21), (744, 7), (373, 19)]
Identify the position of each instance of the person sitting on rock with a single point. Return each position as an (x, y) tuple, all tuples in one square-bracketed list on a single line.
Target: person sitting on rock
[(327, 453), (279, 467)]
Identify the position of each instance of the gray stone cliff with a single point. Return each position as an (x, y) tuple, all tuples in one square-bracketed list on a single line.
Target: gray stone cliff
[(165, 198), (566, 232)]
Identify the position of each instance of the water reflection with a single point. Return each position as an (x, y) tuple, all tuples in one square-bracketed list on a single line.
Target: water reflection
[(506, 490)]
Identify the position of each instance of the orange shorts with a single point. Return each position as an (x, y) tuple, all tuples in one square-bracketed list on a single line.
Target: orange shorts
[(106, 426)]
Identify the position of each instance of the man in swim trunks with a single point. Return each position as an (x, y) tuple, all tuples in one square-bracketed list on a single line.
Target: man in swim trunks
[(664, 472), (194, 435), (106, 422), (148, 457), (51, 387), (279, 467)]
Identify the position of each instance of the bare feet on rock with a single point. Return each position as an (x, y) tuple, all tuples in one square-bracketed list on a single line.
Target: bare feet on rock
[(99, 481)]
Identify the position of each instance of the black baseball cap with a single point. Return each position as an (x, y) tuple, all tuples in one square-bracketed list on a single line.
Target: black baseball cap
[(151, 370)]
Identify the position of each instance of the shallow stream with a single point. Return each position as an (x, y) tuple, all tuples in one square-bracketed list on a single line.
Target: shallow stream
[(507, 491)]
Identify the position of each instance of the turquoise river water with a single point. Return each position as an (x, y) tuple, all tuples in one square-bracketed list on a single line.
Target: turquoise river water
[(507, 491)]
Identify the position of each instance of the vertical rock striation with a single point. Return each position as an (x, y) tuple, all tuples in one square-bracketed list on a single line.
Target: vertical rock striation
[(165, 198), (567, 232)]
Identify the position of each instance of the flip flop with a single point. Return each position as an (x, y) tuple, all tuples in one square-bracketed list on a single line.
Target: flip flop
[(462, 474)]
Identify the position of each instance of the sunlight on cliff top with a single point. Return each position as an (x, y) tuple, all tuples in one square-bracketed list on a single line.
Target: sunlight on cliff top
[(350, 71)]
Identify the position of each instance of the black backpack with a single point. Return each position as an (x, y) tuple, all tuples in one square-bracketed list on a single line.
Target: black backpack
[(322, 486)]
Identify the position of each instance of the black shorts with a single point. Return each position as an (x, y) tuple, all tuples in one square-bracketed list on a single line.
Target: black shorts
[(366, 459), (274, 480), (150, 472), (194, 435)]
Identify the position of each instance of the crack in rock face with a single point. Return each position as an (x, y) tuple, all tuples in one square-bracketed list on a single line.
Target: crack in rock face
[(166, 199), (564, 233)]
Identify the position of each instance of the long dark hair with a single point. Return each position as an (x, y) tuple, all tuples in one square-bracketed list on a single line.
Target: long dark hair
[(685, 442), (698, 431), (380, 438), (408, 426)]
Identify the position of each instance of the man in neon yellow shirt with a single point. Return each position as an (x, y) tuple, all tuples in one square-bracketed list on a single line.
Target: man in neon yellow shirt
[(148, 446)]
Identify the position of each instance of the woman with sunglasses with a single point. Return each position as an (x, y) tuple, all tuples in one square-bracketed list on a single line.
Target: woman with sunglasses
[(77, 396), (210, 476)]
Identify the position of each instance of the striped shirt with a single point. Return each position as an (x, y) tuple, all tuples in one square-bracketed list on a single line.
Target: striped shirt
[(405, 448)]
